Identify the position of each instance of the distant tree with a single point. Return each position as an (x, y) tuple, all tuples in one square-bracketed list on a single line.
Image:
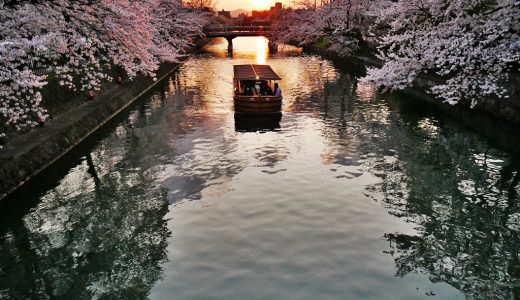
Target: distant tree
[(305, 4), (296, 27), (335, 24), (204, 4)]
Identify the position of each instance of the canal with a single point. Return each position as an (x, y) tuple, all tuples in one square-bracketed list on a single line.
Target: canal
[(348, 194)]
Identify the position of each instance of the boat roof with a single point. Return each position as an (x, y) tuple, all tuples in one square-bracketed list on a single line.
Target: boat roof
[(254, 72)]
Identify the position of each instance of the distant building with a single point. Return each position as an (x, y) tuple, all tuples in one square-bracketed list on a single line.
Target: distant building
[(264, 14), (225, 14), (242, 17), (276, 8)]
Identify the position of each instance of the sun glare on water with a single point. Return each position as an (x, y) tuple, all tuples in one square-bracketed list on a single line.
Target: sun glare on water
[(261, 50)]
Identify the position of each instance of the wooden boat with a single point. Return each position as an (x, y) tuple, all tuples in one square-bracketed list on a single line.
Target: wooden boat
[(253, 89)]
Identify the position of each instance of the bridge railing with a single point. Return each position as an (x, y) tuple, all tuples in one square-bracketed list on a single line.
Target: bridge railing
[(242, 28)]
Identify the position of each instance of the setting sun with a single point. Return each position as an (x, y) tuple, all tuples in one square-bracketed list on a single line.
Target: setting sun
[(261, 4)]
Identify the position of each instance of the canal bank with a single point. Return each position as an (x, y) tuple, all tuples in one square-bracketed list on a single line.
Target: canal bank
[(491, 107), (493, 118), (29, 154)]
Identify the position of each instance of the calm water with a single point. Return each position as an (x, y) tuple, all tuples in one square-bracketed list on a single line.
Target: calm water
[(345, 195)]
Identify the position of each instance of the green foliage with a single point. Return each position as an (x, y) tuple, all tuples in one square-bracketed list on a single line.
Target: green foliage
[(322, 43)]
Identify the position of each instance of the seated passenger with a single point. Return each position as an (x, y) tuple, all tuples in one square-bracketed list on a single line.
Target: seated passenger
[(277, 90), (250, 88), (242, 88), (263, 89), (269, 90)]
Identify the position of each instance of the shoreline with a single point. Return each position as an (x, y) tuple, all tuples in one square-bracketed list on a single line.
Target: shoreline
[(505, 110), (498, 119), (32, 153)]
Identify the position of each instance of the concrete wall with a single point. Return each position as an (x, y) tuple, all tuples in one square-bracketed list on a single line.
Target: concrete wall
[(507, 109), (32, 152)]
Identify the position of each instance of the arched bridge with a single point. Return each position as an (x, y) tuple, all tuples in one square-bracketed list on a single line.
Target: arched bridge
[(233, 31)]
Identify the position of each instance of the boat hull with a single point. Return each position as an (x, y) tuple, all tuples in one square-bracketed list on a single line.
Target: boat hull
[(257, 104)]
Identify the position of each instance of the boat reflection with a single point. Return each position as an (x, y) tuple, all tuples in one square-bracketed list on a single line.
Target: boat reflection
[(257, 122)]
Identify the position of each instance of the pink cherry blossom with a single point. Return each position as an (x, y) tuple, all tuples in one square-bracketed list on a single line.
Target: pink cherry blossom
[(78, 42), (467, 45)]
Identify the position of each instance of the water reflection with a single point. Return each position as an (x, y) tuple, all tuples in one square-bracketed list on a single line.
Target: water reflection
[(254, 123), (262, 50), (184, 197), (91, 237), (463, 197)]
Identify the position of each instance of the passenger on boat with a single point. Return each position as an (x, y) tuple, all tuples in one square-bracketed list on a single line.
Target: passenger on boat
[(269, 90), (249, 90), (262, 88), (265, 89), (277, 90)]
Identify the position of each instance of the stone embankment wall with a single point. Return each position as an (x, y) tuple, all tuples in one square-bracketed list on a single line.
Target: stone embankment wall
[(73, 118), (506, 109), (33, 152)]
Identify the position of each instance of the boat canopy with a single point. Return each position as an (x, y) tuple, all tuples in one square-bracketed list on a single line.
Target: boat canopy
[(254, 72)]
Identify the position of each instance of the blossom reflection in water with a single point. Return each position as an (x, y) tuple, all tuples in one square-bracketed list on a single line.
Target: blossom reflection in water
[(340, 196)]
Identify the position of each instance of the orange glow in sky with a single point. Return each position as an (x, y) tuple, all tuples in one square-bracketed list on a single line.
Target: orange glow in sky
[(261, 4), (248, 4)]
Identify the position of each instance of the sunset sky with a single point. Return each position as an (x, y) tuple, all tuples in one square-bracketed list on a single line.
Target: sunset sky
[(248, 4)]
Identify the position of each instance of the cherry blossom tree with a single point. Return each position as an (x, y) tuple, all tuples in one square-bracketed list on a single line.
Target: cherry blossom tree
[(336, 23), (176, 27), (342, 20), (471, 45), (78, 42), (201, 4), (296, 26)]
